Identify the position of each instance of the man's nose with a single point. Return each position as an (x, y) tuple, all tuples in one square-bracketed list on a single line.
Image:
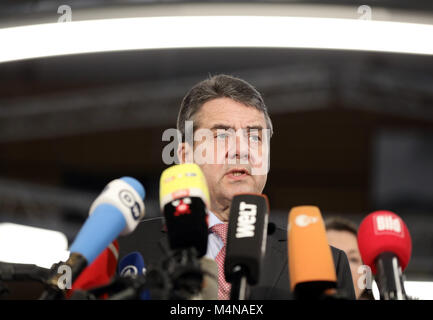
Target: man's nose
[(238, 148)]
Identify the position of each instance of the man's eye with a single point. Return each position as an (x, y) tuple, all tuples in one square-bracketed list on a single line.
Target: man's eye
[(222, 135), (255, 138)]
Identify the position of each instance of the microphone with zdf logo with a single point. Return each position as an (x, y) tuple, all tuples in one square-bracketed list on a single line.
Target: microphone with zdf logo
[(311, 267)]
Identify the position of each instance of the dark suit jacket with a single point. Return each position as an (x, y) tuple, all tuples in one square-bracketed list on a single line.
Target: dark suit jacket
[(274, 284)]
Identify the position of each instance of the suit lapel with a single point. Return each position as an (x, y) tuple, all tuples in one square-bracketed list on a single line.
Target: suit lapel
[(274, 273)]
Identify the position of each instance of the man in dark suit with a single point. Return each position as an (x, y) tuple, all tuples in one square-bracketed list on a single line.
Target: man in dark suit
[(234, 157)]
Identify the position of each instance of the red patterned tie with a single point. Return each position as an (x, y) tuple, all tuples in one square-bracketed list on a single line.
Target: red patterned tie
[(223, 286)]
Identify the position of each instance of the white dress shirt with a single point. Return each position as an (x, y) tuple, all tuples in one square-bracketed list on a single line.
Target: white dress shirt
[(214, 243)]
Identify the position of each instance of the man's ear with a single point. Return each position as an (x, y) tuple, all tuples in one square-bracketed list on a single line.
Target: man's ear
[(185, 153)]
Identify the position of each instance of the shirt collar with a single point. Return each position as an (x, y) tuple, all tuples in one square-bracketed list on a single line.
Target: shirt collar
[(213, 220)]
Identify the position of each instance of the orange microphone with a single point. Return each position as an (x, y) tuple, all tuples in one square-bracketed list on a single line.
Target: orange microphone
[(311, 267)]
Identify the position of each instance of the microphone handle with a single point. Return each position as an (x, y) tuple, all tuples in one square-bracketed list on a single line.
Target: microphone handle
[(69, 271), (22, 272), (52, 294), (127, 294), (239, 287), (389, 277), (82, 295), (119, 283)]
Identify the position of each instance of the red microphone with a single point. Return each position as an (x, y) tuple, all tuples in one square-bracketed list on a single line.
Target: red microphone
[(386, 246), (100, 272)]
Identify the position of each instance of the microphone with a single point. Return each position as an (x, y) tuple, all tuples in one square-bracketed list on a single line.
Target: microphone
[(132, 265), (23, 272), (246, 242), (184, 199), (131, 284), (100, 272), (386, 246), (117, 210), (135, 282), (311, 267)]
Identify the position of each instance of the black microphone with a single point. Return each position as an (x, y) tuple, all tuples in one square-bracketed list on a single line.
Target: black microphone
[(155, 284), (246, 242), (23, 272), (11, 272)]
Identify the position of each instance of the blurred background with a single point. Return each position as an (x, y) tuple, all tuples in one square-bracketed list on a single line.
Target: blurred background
[(353, 127)]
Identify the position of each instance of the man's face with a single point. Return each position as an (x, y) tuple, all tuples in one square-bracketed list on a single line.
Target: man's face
[(347, 242), (237, 144)]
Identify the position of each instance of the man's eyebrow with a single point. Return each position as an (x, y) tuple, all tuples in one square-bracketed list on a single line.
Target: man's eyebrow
[(221, 126), (226, 127), (256, 127)]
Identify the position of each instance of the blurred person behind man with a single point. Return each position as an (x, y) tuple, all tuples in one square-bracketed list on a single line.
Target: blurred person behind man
[(343, 234)]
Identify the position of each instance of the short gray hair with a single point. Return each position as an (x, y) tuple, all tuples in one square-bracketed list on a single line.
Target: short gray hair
[(220, 86)]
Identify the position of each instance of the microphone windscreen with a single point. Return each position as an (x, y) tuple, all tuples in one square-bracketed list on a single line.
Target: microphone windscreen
[(117, 210), (246, 236), (184, 197), (131, 265), (310, 256), (100, 272), (384, 231), (180, 181), (271, 228)]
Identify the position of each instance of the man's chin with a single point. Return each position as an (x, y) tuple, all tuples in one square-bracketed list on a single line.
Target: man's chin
[(233, 190)]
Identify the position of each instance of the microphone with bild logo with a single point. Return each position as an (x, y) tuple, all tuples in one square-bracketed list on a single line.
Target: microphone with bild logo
[(386, 246)]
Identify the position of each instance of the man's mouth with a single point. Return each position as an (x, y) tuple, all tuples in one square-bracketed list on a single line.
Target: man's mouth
[(238, 173)]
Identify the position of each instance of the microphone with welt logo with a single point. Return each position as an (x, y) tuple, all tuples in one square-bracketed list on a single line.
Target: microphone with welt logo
[(386, 246), (246, 242), (117, 210), (311, 267)]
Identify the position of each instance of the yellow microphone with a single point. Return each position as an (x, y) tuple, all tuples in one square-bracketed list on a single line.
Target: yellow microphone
[(184, 201), (183, 180)]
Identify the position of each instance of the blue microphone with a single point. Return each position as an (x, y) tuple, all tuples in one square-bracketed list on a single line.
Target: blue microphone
[(132, 265), (116, 211)]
